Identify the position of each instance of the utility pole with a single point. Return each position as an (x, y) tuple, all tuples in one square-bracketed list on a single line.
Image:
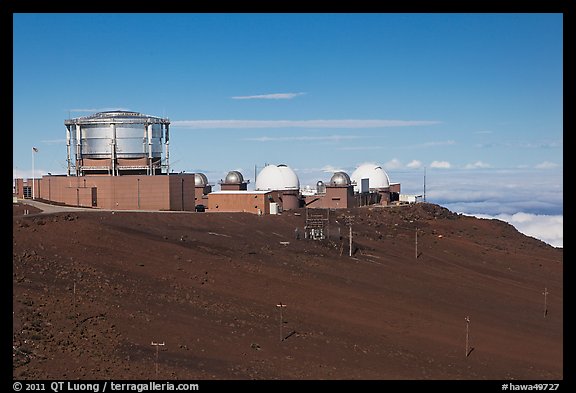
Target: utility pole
[(416, 243), (157, 345), (74, 299), (467, 319), (350, 236), (281, 306), (545, 293), (349, 223)]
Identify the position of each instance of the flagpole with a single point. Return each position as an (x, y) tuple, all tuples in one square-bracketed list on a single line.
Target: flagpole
[(33, 188)]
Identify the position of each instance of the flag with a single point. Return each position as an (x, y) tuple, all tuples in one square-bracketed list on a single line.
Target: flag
[(35, 150)]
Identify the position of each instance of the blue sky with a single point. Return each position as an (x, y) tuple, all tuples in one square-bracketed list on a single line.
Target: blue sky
[(476, 99)]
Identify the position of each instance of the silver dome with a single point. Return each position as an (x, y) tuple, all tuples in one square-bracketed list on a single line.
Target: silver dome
[(340, 179), (200, 180), (234, 177)]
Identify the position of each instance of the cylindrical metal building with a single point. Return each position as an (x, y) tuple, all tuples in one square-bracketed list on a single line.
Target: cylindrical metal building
[(117, 143)]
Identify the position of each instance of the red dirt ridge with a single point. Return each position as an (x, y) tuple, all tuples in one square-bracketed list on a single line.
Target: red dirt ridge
[(92, 290)]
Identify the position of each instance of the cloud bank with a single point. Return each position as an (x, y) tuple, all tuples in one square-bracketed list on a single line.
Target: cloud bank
[(549, 229)]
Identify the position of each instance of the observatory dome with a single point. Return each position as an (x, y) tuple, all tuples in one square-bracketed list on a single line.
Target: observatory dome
[(234, 177), (277, 177), (378, 177), (340, 179), (200, 180)]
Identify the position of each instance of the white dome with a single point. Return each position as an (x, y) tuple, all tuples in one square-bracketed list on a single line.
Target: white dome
[(378, 177), (277, 177)]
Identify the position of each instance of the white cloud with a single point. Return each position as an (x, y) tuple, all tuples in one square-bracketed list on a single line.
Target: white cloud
[(549, 229), (53, 141), (440, 164), (275, 96), (437, 143), (331, 169), (330, 138), (344, 123), (523, 145), (477, 164), (393, 164), (546, 165), (359, 148), (415, 164)]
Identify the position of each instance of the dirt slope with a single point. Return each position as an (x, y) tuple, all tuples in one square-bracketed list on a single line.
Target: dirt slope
[(93, 290)]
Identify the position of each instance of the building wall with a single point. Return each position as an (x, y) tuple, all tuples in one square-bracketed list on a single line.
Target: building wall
[(239, 202), (289, 199), (19, 187), (182, 189), (336, 197), (134, 192), (71, 191), (233, 186), (201, 195)]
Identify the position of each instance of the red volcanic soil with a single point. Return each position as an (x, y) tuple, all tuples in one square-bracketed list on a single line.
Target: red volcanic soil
[(94, 289)]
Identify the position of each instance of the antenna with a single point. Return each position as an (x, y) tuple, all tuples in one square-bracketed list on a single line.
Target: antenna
[(424, 184)]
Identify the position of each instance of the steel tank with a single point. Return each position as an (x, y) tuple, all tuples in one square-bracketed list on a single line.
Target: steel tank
[(130, 140), (117, 140)]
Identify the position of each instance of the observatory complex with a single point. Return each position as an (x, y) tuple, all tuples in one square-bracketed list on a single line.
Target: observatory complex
[(116, 160), (119, 160)]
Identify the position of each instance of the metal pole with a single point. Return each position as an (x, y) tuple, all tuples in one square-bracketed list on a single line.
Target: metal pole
[(416, 243), (545, 293), (74, 299), (281, 306), (157, 345), (33, 174), (424, 184), (138, 191), (350, 236), (33, 190), (467, 319)]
